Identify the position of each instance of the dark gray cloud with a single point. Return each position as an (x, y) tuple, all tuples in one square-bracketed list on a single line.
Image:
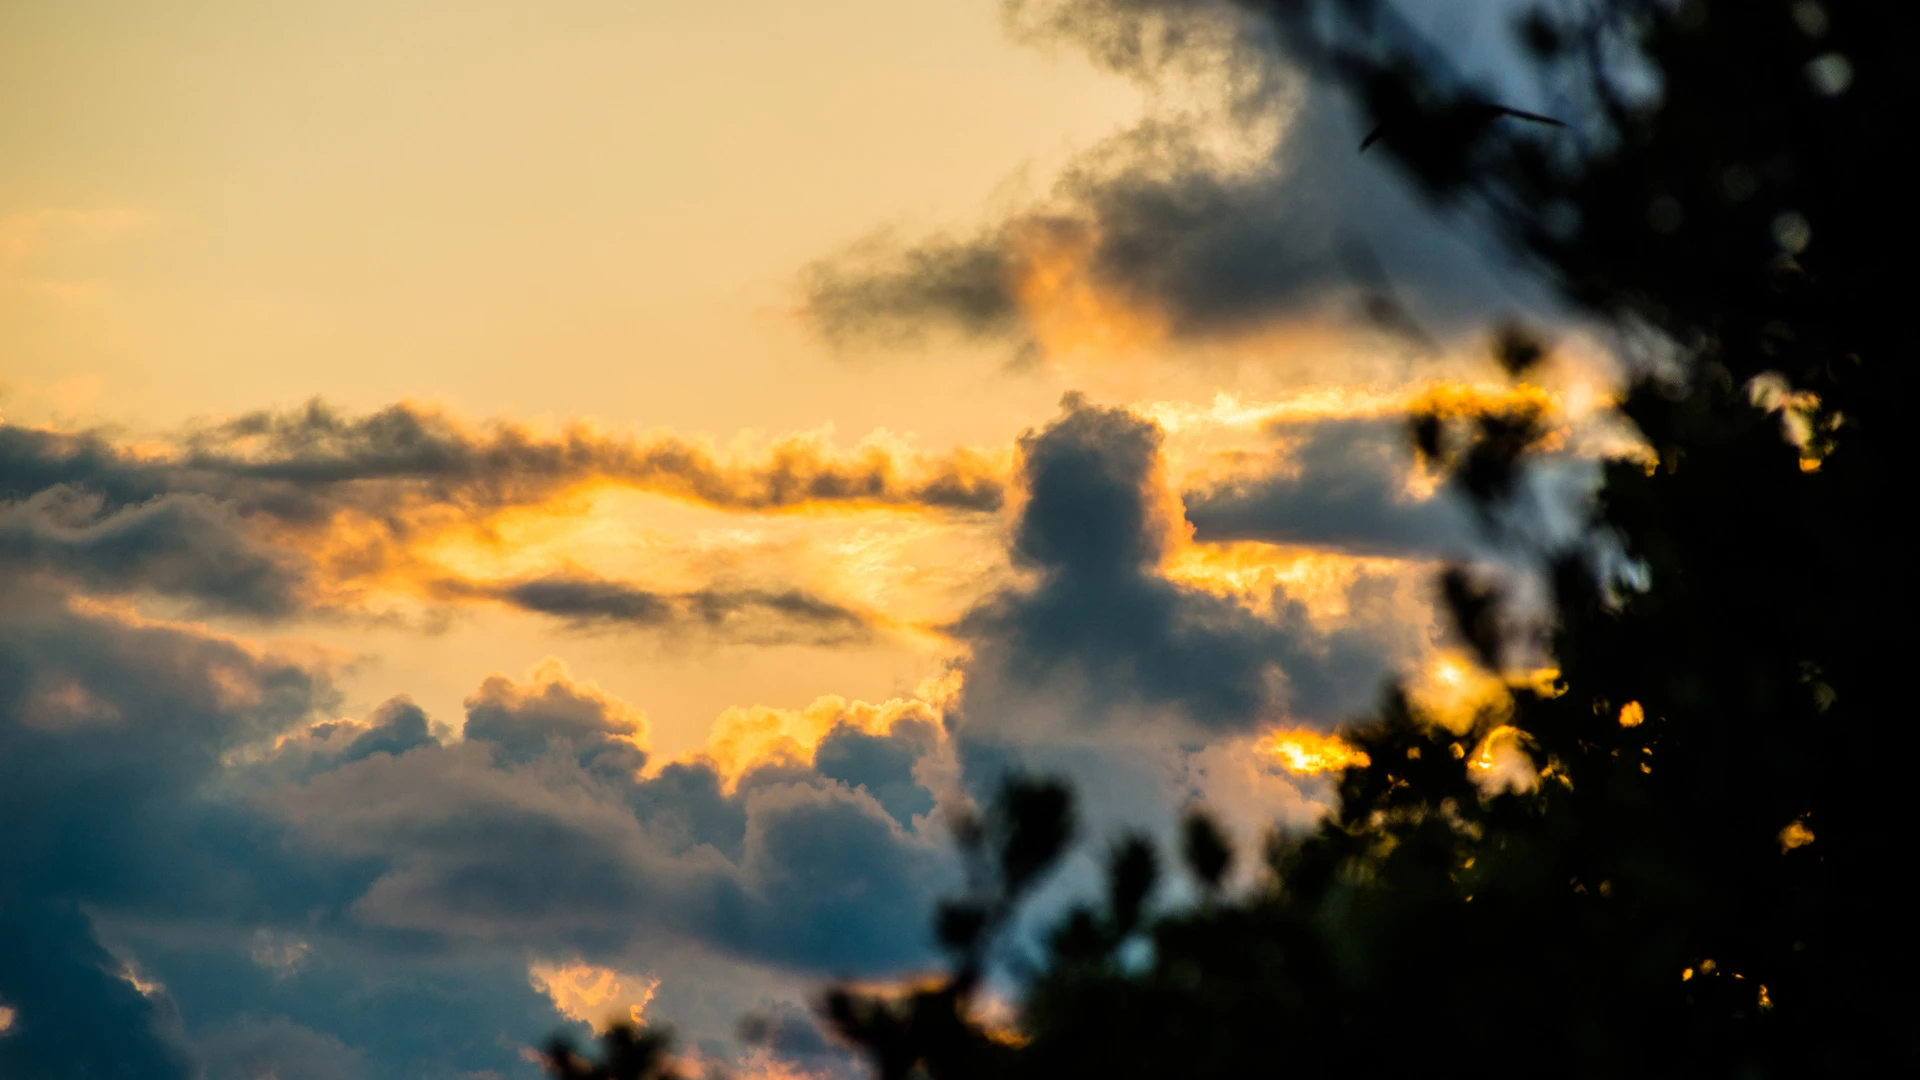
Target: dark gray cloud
[(74, 1013), (553, 715), (795, 1037), (178, 545), (317, 449), (310, 464), (882, 764), (761, 616), (1209, 244), (1339, 484), (111, 730), (1093, 529), (191, 799), (554, 856)]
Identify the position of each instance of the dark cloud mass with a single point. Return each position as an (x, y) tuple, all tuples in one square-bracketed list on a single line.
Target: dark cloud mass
[(316, 449), (1094, 529), (178, 545), (310, 464), (185, 809), (541, 830), (110, 730)]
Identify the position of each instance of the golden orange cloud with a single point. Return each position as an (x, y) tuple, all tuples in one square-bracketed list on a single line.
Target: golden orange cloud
[(745, 738), (599, 997), (1308, 753)]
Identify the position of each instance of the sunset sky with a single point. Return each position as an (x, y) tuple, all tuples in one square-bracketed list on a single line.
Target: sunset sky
[(512, 515)]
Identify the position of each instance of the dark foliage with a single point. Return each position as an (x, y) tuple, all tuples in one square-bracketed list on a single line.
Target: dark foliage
[(1705, 873), (626, 1053)]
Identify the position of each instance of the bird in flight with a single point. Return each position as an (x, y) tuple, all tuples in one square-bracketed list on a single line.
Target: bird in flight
[(1476, 114)]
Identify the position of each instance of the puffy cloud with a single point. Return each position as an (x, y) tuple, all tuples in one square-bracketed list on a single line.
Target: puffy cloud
[(274, 859), (112, 728), (1103, 619), (553, 712), (884, 764), (541, 829)]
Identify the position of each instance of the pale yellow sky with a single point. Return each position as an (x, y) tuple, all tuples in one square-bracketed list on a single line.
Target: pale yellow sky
[(580, 208)]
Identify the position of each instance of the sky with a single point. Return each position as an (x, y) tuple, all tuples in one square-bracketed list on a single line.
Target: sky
[(517, 515)]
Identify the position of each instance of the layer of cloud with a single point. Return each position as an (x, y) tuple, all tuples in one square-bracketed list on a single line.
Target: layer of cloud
[(761, 616), (310, 463), (272, 515)]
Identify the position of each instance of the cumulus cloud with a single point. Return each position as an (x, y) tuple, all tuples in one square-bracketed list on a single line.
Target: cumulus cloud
[(1104, 619), (542, 828), (111, 727), (553, 713), (284, 859)]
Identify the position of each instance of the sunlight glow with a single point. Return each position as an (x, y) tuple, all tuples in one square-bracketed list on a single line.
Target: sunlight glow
[(1069, 310), (1795, 835), (1250, 572), (1306, 753)]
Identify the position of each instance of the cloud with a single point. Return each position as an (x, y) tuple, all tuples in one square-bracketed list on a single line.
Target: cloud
[(596, 996), (760, 616), (72, 1013), (111, 729), (276, 862), (177, 545), (543, 829), (1240, 202), (251, 1048), (552, 713), (1103, 618), (293, 462), (273, 515), (273, 859), (1341, 485)]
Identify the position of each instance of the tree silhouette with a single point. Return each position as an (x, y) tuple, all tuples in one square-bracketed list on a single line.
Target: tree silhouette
[(1704, 872)]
